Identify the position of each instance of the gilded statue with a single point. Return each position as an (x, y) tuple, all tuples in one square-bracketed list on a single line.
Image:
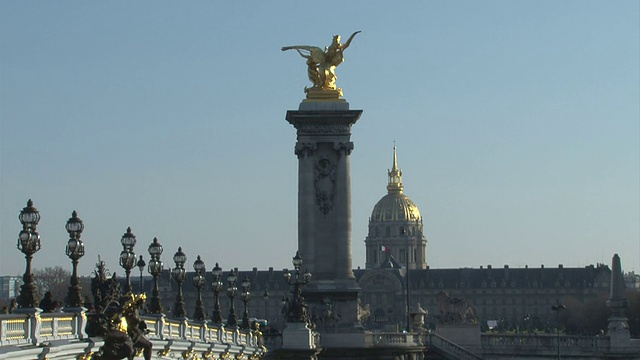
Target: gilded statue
[(321, 65), (123, 330)]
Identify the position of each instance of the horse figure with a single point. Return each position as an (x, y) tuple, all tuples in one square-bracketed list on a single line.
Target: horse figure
[(455, 310)]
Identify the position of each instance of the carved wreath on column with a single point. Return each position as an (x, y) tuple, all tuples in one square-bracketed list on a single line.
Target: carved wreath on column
[(325, 184)]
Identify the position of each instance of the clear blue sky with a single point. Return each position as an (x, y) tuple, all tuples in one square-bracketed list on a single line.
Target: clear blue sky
[(517, 126)]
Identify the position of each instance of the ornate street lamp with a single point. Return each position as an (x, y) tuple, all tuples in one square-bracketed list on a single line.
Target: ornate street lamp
[(198, 282), (216, 285), (557, 308), (245, 296), (29, 244), (297, 309), (155, 269), (74, 250), (232, 290), (128, 257), (141, 264), (178, 273)]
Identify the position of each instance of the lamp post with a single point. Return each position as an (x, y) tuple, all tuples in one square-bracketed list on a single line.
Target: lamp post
[(406, 279), (74, 250), (297, 308), (557, 308), (141, 264), (29, 244), (198, 282), (265, 296), (128, 257), (232, 290), (245, 296), (155, 268), (216, 285), (178, 273)]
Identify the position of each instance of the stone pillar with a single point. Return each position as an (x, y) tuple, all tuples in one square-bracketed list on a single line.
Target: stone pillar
[(323, 148), (618, 328)]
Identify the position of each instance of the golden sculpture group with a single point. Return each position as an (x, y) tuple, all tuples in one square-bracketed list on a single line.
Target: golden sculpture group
[(322, 67)]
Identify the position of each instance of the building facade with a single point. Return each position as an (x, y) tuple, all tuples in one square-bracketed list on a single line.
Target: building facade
[(9, 286), (519, 297)]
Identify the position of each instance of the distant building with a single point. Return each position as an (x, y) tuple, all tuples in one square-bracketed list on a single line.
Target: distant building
[(9, 286), (632, 281), (514, 296), (500, 295)]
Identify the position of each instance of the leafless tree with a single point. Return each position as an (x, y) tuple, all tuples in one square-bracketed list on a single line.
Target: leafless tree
[(55, 279)]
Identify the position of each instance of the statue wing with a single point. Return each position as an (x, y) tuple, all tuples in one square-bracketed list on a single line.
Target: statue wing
[(315, 53)]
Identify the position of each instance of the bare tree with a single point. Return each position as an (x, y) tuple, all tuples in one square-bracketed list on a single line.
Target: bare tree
[(55, 279)]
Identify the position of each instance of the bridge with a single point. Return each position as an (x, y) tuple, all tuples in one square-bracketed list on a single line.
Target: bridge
[(41, 336), (430, 345), (61, 336)]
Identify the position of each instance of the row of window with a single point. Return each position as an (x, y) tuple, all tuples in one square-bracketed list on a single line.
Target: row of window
[(397, 231)]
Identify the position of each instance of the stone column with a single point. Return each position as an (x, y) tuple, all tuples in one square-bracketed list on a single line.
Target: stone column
[(324, 204)]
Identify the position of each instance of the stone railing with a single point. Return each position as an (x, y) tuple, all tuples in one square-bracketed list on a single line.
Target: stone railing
[(34, 327), (162, 328), (543, 344), (40, 334), (446, 348), (393, 339)]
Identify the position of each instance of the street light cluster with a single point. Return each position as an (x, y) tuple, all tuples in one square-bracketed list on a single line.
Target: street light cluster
[(29, 244), (296, 307)]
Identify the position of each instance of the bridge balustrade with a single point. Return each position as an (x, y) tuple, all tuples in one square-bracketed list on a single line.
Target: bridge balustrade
[(33, 333), (543, 343)]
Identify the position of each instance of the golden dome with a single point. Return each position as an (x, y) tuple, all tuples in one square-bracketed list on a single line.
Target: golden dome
[(395, 206)]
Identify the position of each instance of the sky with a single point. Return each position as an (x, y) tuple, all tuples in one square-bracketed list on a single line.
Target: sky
[(517, 125)]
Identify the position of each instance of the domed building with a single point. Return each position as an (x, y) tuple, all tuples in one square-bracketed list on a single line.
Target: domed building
[(395, 227)]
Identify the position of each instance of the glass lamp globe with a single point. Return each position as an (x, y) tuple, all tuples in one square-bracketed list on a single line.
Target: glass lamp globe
[(217, 271), (29, 216), (128, 240), (155, 249), (74, 225), (297, 261), (199, 266), (232, 277), (179, 257)]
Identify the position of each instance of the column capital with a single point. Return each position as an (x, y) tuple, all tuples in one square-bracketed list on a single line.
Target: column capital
[(343, 148), (303, 149)]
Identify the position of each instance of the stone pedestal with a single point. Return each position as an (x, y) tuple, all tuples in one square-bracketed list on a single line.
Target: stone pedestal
[(80, 321), (297, 336), (323, 149), (618, 332)]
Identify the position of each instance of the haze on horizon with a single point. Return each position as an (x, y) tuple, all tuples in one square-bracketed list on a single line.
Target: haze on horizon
[(517, 126)]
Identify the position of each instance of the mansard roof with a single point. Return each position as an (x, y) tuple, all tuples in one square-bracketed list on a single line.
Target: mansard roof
[(505, 277), (488, 277)]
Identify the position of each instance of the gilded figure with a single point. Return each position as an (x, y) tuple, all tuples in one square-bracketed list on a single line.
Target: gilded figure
[(321, 64)]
